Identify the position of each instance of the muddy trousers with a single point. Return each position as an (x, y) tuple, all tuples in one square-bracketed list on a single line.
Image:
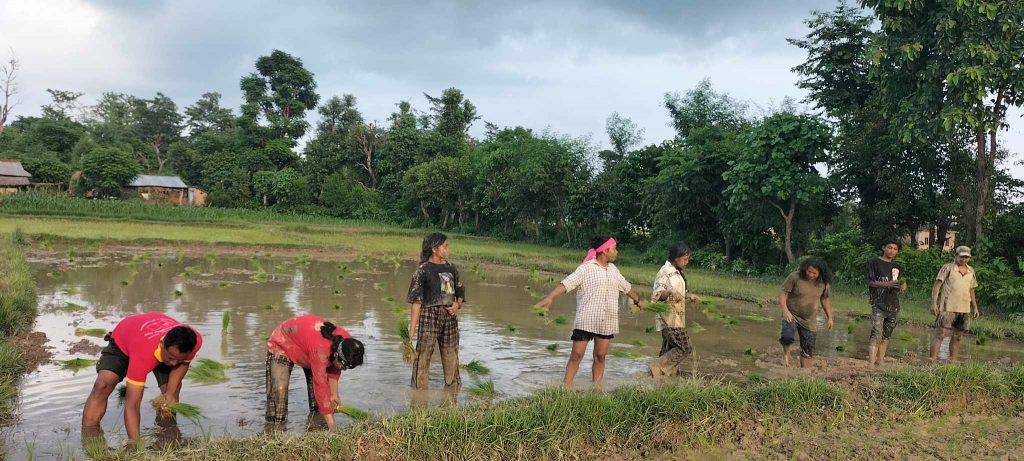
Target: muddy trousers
[(675, 348), (436, 329), (279, 372)]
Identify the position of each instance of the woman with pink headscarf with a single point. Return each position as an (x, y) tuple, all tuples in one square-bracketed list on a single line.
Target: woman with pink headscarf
[(597, 305)]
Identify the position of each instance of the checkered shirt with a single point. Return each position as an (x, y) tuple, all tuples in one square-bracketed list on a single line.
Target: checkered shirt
[(597, 300)]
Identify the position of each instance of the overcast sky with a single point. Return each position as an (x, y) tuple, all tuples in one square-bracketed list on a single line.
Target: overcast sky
[(563, 65)]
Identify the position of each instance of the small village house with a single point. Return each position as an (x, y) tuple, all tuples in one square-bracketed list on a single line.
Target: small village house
[(13, 176), (161, 189)]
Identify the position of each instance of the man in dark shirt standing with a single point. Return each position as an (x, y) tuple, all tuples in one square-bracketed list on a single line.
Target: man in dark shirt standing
[(884, 287)]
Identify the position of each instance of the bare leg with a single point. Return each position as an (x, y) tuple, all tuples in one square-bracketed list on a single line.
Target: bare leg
[(872, 353), (954, 346), (96, 403), (882, 347), (940, 333), (806, 362), (786, 352), (600, 352), (575, 357)]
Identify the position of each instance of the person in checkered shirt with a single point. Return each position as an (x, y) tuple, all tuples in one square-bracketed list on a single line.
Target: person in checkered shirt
[(597, 283)]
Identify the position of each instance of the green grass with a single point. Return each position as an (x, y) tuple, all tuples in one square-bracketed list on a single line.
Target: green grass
[(625, 354), (476, 367), (207, 371), (76, 363), (94, 332)]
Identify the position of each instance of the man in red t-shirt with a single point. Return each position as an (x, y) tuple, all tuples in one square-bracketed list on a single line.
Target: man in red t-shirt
[(322, 350), (139, 344)]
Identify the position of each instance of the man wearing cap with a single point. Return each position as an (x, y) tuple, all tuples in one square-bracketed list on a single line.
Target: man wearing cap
[(140, 344), (599, 284), (955, 282)]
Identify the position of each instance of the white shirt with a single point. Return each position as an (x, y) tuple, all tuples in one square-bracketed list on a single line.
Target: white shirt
[(597, 300)]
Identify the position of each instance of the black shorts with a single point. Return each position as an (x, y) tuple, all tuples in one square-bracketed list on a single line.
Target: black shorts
[(790, 330), (583, 335), (114, 360)]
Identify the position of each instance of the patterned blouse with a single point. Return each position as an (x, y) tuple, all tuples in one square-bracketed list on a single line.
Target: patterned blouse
[(670, 281)]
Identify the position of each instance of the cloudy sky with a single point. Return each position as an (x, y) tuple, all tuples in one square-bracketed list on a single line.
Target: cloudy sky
[(558, 64)]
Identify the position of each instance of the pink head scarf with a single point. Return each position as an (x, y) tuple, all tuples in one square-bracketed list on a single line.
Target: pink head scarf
[(592, 253)]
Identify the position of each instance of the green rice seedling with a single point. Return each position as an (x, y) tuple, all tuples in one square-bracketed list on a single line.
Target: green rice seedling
[(904, 336), (256, 264), (475, 267), (94, 332), (225, 321), (749, 351), (207, 371), (70, 291), (649, 330), (222, 284), (71, 255), (982, 339), (550, 280), (756, 318), (341, 276), (378, 286), (186, 410), (399, 309), (281, 267), (639, 343), (696, 328), (76, 363), (539, 311), (625, 354), (511, 328), (352, 412), (343, 268), (840, 348), (403, 332), (658, 308), (756, 378), (303, 260), (268, 307), (124, 283), (181, 254), (849, 328), (178, 293), (337, 307), (534, 275), (191, 270), (55, 274), (483, 389), (388, 299), (260, 276), (73, 307), (552, 347), (560, 320), (122, 391), (476, 367)]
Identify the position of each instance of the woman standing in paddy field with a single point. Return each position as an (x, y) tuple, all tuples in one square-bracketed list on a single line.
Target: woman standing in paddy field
[(436, 294), (597, 305)]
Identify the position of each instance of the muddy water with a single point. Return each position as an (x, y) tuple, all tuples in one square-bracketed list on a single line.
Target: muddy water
[(732, 339)]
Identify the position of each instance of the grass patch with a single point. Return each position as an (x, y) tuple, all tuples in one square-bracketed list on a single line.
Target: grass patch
[(476, 367), (483, 390), (94, 332), (208, 371)]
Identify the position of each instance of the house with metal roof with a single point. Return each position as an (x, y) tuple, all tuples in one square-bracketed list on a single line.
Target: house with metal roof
[(161, 189), (13, 176)]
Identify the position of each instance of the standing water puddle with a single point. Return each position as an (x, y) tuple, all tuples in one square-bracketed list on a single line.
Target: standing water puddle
[(731, 339)]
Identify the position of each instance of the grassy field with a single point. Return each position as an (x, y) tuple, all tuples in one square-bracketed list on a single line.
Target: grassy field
[(966, 412), (389, 241), (17, 312)]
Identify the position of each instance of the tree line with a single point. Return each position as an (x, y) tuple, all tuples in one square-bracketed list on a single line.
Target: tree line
[(899, 132)]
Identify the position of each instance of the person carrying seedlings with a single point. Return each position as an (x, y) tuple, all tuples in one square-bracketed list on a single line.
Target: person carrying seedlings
[(322, 350), (956, 282), (140, 344), (802, 292), (437, 295), (597, 305), (670, 287), (884, 287)]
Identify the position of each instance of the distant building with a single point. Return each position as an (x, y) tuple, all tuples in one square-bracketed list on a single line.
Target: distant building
[(923, 236), (13, 176), (161, 189)]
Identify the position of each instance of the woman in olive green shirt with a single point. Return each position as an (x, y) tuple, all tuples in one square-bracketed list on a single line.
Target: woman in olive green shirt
[(801, 294)]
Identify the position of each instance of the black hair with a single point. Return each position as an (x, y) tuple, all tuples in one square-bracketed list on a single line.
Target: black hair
[(430, 242), (894, 241), (824, 273), (181, 337), (349, 351), (599, 240), (678, 249)]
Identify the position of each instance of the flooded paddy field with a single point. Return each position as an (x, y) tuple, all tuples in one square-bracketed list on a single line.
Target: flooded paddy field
[(524, 352)]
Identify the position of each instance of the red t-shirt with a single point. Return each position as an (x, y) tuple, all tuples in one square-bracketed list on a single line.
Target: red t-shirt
[(300, 340), (139, 336)]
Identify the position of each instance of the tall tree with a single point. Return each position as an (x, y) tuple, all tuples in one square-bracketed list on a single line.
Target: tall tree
[(207, 114), (8, 89), (333, 146), (777, 168), (159, 125), (703, 106), (279, 93), (948, 66), (64, 104), (451, 115), (623, 134)]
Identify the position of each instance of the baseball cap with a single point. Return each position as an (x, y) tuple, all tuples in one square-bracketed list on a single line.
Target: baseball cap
[(963, 250)]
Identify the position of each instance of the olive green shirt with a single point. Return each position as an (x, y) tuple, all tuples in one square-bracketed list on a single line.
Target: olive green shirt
[(803, 299)]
